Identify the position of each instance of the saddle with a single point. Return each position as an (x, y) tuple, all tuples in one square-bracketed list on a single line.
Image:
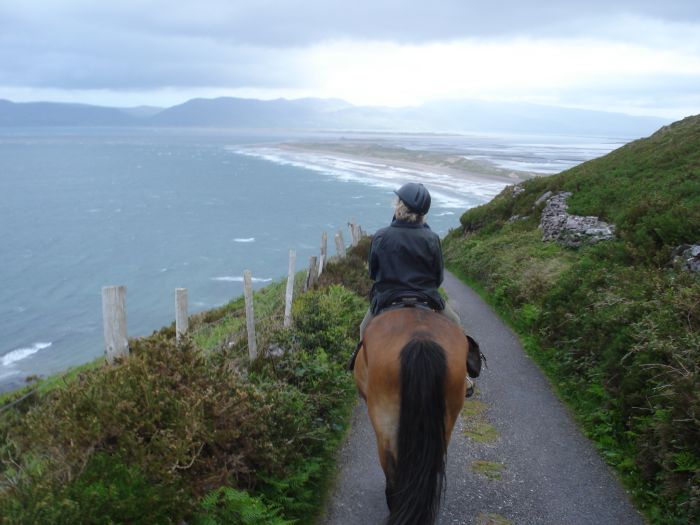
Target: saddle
[(474, 358), (409, 301)]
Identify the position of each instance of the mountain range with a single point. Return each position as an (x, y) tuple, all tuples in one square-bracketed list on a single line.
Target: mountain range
[(461, 116)]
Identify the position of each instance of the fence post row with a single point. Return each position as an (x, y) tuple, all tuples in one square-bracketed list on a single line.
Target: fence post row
[(289, 296), (249, 314), (114, 322), (114, 300)]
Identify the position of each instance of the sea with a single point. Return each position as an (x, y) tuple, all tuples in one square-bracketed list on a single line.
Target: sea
[(160, 209)]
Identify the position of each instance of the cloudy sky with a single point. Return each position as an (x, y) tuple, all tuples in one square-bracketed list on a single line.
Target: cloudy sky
[(636, 56)]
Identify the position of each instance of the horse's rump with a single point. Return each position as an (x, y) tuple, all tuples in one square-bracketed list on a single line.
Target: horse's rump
[(411, 372)]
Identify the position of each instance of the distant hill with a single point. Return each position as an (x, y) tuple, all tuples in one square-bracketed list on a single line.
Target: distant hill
[(142, 111), (462, 116), (58, 114), (228, 112)]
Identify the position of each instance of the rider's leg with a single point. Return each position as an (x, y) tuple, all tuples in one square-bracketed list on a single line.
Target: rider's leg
[(450, 313), (368, 317)]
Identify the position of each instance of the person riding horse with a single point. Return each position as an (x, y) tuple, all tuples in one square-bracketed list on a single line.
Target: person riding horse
[(406, 265)]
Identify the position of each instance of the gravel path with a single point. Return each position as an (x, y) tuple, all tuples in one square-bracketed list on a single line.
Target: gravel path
[(516, 455)]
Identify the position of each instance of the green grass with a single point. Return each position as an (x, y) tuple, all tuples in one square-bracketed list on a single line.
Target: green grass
[(492, 518), (488, 469), (480, 431), (615, 326)]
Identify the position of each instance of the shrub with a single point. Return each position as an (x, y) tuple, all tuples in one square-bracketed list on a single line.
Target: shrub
[(228, 506)]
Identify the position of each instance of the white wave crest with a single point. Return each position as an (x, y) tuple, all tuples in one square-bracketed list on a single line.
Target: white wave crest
[(244, 239), (447, 190), (239, 279), (22, 353)]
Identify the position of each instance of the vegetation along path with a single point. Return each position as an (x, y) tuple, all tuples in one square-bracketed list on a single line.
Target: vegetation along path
[(516, 456)]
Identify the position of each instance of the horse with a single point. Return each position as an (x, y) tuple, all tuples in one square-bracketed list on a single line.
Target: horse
[(411, 370)]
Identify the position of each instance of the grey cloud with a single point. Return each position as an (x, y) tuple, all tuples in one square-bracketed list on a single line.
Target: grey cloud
[(138, 61), (257, 43), (273, 23)]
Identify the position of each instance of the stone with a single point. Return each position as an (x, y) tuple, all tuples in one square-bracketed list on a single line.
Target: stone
[(688, 257), (513, 190), (571, 230), (542, 198)]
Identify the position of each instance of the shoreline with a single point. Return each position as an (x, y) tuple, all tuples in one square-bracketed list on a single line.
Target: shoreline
[(453, 165)]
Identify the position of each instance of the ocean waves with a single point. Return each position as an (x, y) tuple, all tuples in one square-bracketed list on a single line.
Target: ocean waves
[(447, 189), (239, 279), (20, 354)]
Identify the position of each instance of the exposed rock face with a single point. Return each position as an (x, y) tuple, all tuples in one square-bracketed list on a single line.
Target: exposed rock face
[(543, 198), (516, 218), (688, 255), (571, 230), (513, 190)]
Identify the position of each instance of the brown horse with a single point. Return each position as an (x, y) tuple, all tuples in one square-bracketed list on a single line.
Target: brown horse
[(411, 371)]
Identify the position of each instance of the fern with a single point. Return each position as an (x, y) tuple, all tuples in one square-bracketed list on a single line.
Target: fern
[(228, 506)]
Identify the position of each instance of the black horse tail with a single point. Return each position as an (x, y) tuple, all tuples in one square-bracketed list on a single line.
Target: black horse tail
[(419, 470)]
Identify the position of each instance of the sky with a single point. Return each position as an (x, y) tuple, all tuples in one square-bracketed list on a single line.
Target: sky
[(633, 56)]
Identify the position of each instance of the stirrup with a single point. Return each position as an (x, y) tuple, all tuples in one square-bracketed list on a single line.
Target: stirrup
[(470, 387), (474, 358)]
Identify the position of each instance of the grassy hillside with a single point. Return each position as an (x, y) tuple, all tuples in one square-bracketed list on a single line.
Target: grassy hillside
[(193, 432), (616, 325)]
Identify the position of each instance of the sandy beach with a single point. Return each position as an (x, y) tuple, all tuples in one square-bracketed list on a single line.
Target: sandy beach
[(390, 157)]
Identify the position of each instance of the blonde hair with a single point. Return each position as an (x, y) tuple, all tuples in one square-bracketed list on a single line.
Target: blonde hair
[(402, 213)]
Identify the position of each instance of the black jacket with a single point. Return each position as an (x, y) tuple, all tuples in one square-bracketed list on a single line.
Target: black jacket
[(405, 259)]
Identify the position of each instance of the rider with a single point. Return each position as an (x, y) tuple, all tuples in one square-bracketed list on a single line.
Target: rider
[(406, 265)]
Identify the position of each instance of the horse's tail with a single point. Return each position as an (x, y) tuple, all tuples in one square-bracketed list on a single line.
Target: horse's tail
[(420, 466)]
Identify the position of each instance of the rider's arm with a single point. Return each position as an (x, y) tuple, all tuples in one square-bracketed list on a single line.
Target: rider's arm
[(373, 260), (439, 263)]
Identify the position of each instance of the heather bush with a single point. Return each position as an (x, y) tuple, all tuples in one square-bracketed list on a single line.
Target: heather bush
[(350, 272)]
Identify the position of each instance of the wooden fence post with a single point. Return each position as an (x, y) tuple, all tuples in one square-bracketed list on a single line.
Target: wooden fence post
[(181, 319), (114, 322), (290, 289), (339, 244), (353, 233), (324, 253), (249, 314), (312, 276)]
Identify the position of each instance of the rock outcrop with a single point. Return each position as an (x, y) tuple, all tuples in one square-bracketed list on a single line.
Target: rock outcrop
[(688, 256), (571, 230)]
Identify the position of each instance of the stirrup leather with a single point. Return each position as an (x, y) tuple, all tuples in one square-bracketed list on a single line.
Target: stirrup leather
[(351, 364)]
